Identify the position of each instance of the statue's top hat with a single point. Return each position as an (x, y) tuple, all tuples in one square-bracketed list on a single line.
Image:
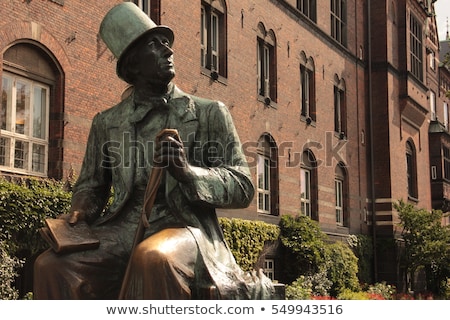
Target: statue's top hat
[(123, 25)]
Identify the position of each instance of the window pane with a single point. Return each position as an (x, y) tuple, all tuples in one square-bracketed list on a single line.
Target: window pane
[(5, 112), (38, 164), (22, 107), (5, 151), (21, 154), (266, 202), (39, 109), (260, 172)]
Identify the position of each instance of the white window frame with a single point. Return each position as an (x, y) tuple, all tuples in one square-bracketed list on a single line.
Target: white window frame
[(264, 69), (445, 107), (339, 192), (416, 45), (263, 184), (305, 192), (11, 136), (269, 268), (433, 105)]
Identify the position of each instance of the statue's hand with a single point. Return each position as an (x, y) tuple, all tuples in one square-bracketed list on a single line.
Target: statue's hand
[(170, 154), (73, 217)]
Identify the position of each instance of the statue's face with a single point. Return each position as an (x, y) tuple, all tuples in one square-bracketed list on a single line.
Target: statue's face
[(154, 59)]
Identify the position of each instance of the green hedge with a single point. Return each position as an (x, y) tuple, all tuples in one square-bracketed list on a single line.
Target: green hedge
[(24, 204), (246, 239)]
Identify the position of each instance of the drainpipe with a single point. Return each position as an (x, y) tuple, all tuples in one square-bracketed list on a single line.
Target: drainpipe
[(372, 166)]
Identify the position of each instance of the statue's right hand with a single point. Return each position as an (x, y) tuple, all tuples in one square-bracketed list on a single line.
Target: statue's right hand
[(74, 216)]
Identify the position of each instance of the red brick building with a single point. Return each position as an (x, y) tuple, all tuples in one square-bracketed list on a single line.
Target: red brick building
[(324, 94)]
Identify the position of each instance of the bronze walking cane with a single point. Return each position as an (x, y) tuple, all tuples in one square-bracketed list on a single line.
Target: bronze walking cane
[(149, 199)]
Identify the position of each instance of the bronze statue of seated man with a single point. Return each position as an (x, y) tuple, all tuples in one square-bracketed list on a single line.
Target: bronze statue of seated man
[(182, 252)]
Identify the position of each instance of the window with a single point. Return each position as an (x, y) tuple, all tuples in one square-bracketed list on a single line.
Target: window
[(151, 8), (446, 115), (212, 34), (411, 170), (305, 192), (308, 99), (433, 105), (432, 60), (267, 78), (308, 183), (269, 268), (308, 8), (24, 125), (339, 20), (446, 159), (263, 184), (267, 176), (340, 108), (32, 112), (340, 189), (415, 50)]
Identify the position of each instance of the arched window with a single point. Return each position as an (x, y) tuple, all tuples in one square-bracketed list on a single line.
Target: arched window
[(213, 36), (340, 108), (267, 73), (307, 89), (411, 169), (31, 112), (308, 185), (341, 195), (267, 176)]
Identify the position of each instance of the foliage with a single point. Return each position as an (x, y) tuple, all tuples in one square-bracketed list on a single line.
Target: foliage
[(246, 239), (24, 204), (8, 273), (348, 294), (426, 244), (312, 262), (300, 289), (383, 289), (342, 268), (307, 287), (303, 246), (362, 247)]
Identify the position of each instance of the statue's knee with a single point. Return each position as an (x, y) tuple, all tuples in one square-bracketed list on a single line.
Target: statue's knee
[(43, 262), (152, 257)]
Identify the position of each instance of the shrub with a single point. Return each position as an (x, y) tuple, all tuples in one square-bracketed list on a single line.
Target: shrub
[(300, 289), (348, 294), (246, 239), (8, 273), (24, 205), (362, 247), (342, 268), (383, 289), (303, 246)]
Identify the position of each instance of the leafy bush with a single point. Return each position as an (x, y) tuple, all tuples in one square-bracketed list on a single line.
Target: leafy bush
[(8, 273), (362, 247), (300, 289), (246, 239), (303, 246), (24, 204), (383, 289), (348, 294), (342, 268)]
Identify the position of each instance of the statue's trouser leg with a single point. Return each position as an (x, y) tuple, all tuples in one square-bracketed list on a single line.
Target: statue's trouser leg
[(163, 266), (93, 274)]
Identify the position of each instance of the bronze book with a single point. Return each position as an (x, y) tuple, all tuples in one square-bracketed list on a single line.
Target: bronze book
[(64, 238)]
